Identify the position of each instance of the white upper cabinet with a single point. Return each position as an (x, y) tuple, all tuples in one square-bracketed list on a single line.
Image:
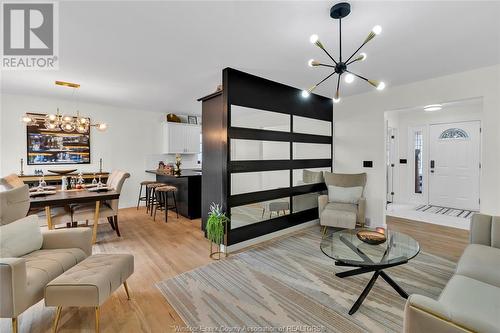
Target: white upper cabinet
[(181, 138)]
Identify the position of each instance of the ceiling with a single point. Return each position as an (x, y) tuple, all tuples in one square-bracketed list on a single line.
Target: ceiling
[(161, 56)]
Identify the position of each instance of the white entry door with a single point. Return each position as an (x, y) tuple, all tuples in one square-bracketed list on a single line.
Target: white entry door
[(454, 157)]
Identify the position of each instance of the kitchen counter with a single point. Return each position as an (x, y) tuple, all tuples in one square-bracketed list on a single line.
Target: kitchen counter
[(184, 173), (188, 195)]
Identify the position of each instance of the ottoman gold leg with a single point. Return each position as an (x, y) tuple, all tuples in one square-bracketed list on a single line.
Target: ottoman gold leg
[(126, 289), (97, 319), (56, 319), (14, 325)]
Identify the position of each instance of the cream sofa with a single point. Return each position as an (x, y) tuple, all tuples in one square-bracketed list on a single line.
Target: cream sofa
[(470, 302), (31, 258)]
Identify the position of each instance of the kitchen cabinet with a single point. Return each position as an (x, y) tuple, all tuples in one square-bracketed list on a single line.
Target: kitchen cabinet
[(181, 138)]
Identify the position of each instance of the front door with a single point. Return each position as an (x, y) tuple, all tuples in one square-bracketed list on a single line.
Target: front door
[(454, 165)]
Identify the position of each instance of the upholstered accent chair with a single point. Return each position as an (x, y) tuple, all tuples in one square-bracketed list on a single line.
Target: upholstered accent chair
[(11, 181), (29, 257), (470, 302), (109, 209), (342, 214)]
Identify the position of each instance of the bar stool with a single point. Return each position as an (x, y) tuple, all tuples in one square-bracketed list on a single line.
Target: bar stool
[(151, 197), (145, 197), (162, 194)]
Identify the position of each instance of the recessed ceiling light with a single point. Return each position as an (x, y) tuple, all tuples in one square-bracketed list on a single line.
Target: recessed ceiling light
[(433, 107)]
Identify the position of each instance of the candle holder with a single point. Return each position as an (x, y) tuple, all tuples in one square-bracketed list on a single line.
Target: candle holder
[(22, 168)]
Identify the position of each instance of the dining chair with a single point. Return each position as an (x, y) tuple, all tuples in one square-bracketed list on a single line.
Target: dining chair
[(107, 209), (11, 181)]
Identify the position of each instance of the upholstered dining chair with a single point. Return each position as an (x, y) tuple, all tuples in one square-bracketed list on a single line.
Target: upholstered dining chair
[(11, 181), (108, 209), (342, 211)]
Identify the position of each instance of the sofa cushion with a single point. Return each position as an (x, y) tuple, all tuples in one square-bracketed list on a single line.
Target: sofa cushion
[(42, 266), (472, 304), (20, 237), (340, 215), (349, 195), (482, 263)]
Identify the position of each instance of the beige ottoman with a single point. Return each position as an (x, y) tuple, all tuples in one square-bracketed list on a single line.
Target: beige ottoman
[(89, 283)]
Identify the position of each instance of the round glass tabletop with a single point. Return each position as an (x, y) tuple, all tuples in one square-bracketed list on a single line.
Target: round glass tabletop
[(345, 247)]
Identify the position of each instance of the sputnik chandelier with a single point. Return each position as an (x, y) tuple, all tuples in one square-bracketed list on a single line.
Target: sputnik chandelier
[(340, 66), (66, 123)]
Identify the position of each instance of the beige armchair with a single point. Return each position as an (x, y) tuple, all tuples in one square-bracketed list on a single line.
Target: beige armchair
[(470, 302), (109, 210), (341, 214), (30, 258)]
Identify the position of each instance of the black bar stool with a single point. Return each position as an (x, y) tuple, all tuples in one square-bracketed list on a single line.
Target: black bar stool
[(162, 199), (151, 199), (145, 197)]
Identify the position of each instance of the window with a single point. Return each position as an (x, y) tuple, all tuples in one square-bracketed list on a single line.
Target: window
[(454, 133), (419, 167)]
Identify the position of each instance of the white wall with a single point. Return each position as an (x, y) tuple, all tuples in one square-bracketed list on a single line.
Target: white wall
[(360, 130), (406, 119), (131, 142)]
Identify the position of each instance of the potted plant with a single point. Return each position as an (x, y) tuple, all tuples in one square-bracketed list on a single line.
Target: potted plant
[(216, 228)]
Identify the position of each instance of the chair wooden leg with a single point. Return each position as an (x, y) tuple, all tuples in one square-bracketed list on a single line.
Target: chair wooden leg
[(323, 232), (14, 325), (139, 200), (166, 205), (56, 319), (97, 319), (110, 221), (175, 203), (126, 289), (116, 226)]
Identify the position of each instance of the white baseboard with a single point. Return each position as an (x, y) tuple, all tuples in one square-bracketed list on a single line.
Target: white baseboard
[(267, 237)]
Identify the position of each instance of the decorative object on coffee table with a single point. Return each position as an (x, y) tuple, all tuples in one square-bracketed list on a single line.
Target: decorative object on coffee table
[(216, 228), (62, 172), (371, 237), (192, 120), (348, 250)]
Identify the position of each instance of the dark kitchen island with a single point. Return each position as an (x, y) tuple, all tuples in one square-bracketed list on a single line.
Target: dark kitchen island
[(188, 194)]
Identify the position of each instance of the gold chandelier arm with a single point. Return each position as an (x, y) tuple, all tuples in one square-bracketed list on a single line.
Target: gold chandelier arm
[(337, 93), (326, 78), (328, 54)]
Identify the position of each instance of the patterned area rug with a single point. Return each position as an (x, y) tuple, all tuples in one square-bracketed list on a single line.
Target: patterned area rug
[(290, 282)]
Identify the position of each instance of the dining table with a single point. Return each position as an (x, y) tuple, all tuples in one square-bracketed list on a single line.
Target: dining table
[(73, 196)]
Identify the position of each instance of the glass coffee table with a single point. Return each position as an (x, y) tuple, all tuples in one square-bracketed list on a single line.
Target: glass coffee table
[(347, 250)]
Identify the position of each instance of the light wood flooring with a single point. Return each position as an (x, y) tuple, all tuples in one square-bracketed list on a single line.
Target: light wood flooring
[(163, 250)]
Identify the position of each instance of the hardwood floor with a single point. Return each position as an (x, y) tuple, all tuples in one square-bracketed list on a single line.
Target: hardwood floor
[(439, 240), (163, 250)]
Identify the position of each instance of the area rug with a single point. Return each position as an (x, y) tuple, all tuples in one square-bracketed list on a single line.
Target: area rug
[(289, 285)]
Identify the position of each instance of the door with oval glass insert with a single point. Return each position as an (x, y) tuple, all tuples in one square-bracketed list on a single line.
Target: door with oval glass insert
[(454, 165)]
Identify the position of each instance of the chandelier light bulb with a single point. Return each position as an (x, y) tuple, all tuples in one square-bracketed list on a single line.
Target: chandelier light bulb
[(51, 117), (362, 56), (26, 119), (102, 127), (336, 100), (349, 78), (310, 62), (377, 29), (305, 93), (381, 86), (313, 39)]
